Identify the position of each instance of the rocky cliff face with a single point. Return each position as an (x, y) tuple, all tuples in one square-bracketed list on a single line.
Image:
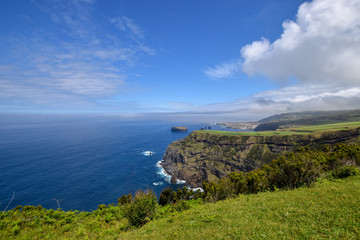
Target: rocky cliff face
[(206, 156)]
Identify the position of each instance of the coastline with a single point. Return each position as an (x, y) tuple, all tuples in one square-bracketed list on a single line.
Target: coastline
[(162, 172)]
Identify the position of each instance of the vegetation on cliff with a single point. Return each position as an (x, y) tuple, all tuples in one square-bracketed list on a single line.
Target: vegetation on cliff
[(212, 155)]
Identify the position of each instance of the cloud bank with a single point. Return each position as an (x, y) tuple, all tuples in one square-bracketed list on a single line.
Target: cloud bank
[(320, 50), (321, 46)]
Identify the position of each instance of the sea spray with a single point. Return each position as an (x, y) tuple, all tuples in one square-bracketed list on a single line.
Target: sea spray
[(161, 171), (165, 175)]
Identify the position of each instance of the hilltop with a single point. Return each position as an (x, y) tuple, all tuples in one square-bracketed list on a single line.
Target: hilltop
[(287, 120)]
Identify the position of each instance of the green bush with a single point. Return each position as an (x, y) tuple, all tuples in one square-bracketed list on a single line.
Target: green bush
[(210, 191), (293, 170), (102, 206), (166, 196), (126, 199), (142, 209), (182, 205), (16, 230), (226, 189), (238, 181), (345, 171)]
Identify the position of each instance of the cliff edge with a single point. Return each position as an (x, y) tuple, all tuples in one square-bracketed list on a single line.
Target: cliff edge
[(207, 156)]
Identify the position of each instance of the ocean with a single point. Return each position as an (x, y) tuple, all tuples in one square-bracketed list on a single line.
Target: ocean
[(82, 161)]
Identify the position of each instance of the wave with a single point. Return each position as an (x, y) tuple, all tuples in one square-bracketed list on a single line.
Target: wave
[(161, 171), (196, 189), (158, 183), (165, 175), (178, 181), (148, 153)]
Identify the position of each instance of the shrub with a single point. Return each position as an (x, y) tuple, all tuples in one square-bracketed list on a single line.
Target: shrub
[(345, 171), (294, 170), (252, 181), (142, 209), (226, 189), (238, 180), (210, 191), (101, 206), (126, 199), (182, 205), (166, 196), (16, 230)]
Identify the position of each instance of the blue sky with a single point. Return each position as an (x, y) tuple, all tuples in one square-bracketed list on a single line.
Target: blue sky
[(220, 60)]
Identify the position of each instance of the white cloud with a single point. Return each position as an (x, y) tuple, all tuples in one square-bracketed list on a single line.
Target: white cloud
[(256, 50), (225, 70), (128, 25), (82, 67), (321, 46), (261, 105), (320, 50)]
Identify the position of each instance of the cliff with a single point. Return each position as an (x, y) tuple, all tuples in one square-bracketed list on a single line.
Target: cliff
[(208, 156)]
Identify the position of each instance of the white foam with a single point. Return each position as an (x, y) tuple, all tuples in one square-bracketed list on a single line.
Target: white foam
[(162, 171), (178, 181), (165, 175), (158, 183), (148, 153), (196, 189)]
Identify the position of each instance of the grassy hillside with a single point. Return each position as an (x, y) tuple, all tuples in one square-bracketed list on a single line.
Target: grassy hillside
[(295, 130), (315, 116), (307, 118), (330, 210)]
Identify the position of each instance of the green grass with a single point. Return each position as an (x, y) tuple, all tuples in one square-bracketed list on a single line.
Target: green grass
[(260, 133), (330, 210), (298, 130), (328, 127)]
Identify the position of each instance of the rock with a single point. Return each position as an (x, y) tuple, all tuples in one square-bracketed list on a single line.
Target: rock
[(173, 180), (179, 129)]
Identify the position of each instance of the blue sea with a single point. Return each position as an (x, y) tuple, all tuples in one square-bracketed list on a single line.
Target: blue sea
[(82, 161)]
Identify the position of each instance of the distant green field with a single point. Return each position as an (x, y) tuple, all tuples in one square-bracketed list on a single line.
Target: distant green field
[(264, 133), (298, 130), (327, 127)]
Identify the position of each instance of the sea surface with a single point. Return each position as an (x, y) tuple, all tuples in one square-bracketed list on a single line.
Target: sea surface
[(82, 161)]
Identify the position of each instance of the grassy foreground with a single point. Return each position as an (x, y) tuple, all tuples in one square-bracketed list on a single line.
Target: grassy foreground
[(330, 210)]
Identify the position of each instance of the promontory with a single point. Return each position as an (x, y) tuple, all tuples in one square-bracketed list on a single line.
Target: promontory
[(211, 155)]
